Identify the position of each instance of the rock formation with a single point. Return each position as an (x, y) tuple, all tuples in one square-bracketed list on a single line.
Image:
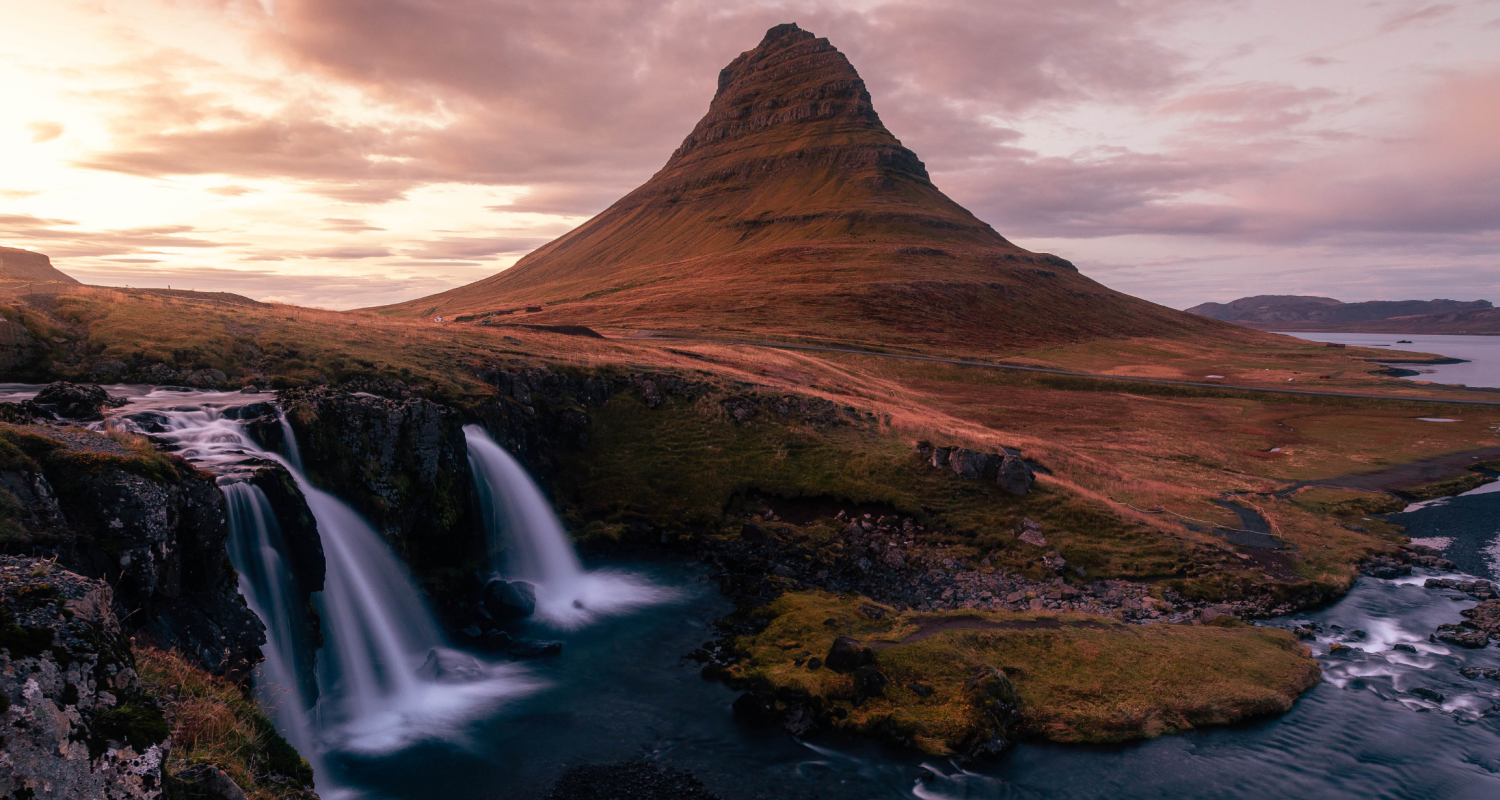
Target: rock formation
[(24, 266), (74, 719), (790, 209)]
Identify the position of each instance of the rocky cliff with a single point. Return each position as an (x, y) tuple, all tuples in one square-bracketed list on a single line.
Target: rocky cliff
[(24, 266), (75, 720), (152, 526)]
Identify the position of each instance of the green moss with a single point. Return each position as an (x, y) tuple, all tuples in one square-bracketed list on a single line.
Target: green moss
[(139, 726), (1079, 678)]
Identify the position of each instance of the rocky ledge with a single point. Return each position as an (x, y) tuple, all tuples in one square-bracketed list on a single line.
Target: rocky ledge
[(74, 719)]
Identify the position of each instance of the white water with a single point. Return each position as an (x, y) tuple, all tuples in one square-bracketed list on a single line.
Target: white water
[(377, 629), (527, 542)]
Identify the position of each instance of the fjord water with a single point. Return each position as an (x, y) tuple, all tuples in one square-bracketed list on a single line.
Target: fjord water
[(1481, 354)]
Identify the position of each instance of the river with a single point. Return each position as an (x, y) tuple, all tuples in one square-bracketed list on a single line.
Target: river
[(1481, 354), (621, 689)]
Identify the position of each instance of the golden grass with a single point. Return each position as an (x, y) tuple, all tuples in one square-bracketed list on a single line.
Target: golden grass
[(213, 722)]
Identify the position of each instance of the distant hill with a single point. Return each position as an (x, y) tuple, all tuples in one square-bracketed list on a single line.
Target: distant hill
[(17, 266), (790, 211), (1308, 313)]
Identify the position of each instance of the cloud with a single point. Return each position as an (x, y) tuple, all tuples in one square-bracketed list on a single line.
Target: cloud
[(44, 131), (465, 248), (348, 253), (63, 238), (1417, 17), (318, 289), (349, 225), (230, 190)]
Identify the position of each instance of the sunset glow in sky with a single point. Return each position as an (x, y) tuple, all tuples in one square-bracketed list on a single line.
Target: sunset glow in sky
[(345, 153)]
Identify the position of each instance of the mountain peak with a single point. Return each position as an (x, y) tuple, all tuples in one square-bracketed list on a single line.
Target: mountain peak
[(790, 210)]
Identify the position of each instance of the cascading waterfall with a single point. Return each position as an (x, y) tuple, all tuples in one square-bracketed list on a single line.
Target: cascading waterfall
[(527, 542), (383, 678)]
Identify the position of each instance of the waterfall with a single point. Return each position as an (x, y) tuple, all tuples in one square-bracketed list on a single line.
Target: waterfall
[(284, 680), (527, 542), (382, 678)]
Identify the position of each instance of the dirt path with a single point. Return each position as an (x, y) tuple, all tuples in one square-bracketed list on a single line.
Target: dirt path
[(1050, 371)]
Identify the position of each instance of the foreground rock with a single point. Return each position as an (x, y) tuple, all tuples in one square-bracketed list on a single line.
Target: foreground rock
[(152, 526), (74, 718)]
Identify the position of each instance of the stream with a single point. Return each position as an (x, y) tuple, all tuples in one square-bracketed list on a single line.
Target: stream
[(379, 720)]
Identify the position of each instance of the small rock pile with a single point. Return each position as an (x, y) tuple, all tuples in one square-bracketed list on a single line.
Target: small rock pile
[(1482, 624), (1011, 472)]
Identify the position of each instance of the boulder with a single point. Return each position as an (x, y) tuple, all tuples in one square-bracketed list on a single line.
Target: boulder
[(1014, 475), (533, 648), (848, 654), (971, 464), (76, 401), (450, 666), (507, 601), (206, 782), (756, 708)]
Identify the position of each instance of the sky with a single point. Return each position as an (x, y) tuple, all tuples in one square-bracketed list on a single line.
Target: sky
[(347, 153)]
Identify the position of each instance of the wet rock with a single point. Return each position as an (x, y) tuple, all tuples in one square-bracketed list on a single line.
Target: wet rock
[(1014, 476), (76, 401), (533, 648), (1484, 617), (1461, 636), (756, 708), (848, 654), (1404, 647), (450, 666), (1428, 694), (507, 601)]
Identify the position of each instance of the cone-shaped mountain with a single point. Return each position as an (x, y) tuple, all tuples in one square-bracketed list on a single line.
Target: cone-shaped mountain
[(790, 211)]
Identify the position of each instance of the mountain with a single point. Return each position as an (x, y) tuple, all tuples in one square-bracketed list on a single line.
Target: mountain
[(17, 266), (790, 211), (1307, 313)]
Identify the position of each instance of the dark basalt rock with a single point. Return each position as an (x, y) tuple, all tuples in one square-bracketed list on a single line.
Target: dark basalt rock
[(76, 401), (755, 707), (533, 648), (848, 654), (156, 530), (507, 601)]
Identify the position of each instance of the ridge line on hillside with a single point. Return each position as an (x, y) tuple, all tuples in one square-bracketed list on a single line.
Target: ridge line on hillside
[(1053, 371)]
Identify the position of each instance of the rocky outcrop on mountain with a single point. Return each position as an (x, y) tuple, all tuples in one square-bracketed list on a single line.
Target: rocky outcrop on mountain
[(151, 525), (28, 267), (74, 719), (791, 210), (1306, 313), (1011, 472)]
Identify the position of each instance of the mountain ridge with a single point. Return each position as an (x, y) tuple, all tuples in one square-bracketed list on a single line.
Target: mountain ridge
[(1312, 313), (791, 211)]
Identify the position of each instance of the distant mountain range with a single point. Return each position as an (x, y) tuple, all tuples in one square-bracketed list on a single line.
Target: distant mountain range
[(1306, 313)]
